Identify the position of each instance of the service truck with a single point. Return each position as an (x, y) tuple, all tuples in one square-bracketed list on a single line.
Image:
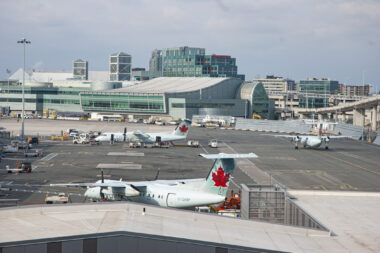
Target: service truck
[(57, 199)]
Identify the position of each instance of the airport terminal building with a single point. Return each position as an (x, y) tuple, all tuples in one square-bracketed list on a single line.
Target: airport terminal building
[(178, 97), (172, 97)]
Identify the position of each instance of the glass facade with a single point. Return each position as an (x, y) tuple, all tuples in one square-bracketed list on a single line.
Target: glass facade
[(155, 63), (120, 67), (312, 102), (257, 97), (127, 102), (80, 69), (41, 98), (317, 86), (260, 101), (42, 91), (187, 62)]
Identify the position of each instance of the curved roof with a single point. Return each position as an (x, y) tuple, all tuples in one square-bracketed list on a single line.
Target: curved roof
[(173, 84), (246, 90)]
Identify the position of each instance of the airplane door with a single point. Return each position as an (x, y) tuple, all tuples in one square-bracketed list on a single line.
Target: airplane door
[(171, 200)]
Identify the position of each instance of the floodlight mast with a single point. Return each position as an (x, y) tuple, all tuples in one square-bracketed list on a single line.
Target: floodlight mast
[(24, 42)]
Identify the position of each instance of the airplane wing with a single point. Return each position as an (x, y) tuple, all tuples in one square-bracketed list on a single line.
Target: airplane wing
[(176, 182), (318, 123), (293, 137), (85, 185), (141, 135), (227, 156), (336, 137), (128, 190), (116, 184)]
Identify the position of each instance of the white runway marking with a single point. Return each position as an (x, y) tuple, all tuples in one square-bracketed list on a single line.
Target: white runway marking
[(203, 148), (48, 157), (123, 166), (125, 154)]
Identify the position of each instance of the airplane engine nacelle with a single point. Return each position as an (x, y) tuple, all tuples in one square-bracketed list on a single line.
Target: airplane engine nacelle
[(327, 140), (130, 191), (93, 193)]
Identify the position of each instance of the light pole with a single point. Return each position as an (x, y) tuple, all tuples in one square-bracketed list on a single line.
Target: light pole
[(9, 74), (24, 42)]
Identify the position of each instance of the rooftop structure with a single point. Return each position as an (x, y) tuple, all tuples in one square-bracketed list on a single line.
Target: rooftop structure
[(173, 85), (80, 69), (120, 67), (51, 76), (55, 224)]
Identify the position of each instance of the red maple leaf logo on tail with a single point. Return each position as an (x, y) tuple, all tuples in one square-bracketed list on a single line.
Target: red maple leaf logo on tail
[(219, 178), (183, 128)]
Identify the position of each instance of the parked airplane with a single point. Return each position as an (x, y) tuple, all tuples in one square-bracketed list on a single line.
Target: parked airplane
[(311, 141), (170, 193), (180, 133)]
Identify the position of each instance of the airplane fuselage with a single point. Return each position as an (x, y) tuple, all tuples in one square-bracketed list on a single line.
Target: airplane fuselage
[(176, 196), (131, 137), (311, 142)]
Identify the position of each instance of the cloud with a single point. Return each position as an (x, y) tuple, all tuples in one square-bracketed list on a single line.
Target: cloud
[(258, 33)]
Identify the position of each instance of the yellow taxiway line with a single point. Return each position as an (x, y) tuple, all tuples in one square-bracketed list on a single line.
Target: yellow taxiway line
[(349, 163)]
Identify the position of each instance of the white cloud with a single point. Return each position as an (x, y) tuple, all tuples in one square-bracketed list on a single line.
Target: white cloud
[(257, 32)]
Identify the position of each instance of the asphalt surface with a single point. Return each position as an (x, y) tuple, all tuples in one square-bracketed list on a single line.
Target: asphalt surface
[(348, 165)]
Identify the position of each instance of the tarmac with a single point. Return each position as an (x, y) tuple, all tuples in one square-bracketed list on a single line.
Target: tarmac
[(348, 167)]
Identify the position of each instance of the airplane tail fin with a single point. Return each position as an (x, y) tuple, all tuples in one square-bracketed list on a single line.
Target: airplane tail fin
[(183, 128), (219, 177)]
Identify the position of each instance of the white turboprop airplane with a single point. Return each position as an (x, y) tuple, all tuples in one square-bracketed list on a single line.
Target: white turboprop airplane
[(170, 193), (311, 141), (180, 133)]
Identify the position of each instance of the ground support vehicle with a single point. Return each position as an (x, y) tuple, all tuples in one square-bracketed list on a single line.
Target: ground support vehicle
[(57, 199), (213, 143), (193, 143), (21, 167), (33, 153), (81, 139)]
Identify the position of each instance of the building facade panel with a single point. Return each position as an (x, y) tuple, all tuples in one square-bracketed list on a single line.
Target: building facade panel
[(123, 102)]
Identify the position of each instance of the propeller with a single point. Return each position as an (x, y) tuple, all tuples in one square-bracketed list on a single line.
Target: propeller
[(158, 172), (125, 134)]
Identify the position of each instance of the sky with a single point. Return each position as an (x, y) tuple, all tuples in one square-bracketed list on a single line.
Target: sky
[(297, 39)]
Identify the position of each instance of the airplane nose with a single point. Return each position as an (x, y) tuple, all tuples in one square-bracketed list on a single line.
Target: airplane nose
[(87, 193)]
